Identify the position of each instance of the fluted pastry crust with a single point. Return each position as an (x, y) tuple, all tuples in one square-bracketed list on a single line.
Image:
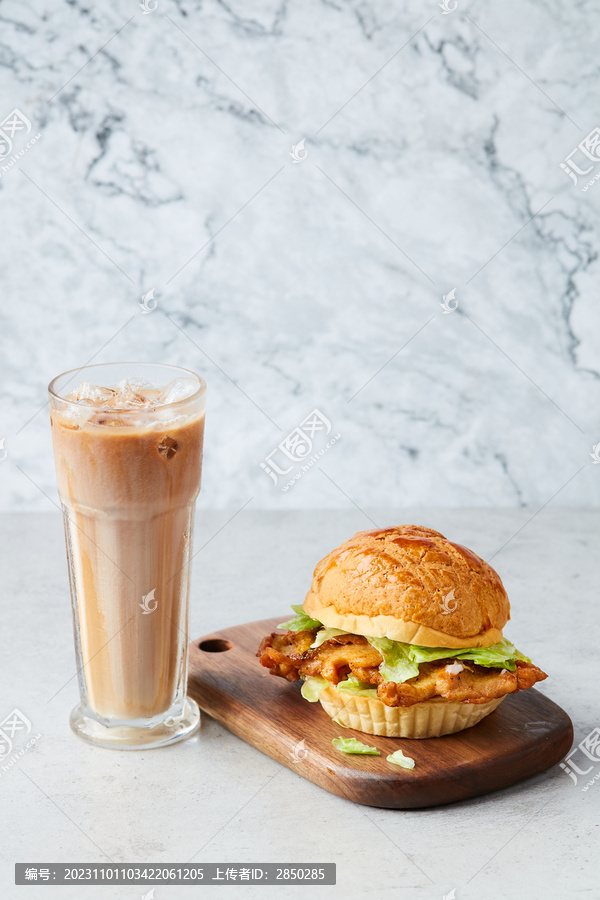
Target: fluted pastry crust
[(432, 718)]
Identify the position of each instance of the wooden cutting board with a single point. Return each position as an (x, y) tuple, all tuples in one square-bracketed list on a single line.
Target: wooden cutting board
[(525, 735)]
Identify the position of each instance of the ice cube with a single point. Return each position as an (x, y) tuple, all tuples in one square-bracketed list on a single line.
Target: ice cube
[(131, 394), (178, 389), (72, 417), (136, 383), (91, 394), (164, 418), (168, 447), (111, 419)]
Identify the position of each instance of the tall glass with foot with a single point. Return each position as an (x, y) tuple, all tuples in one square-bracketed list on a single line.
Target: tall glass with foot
[(128, 452)]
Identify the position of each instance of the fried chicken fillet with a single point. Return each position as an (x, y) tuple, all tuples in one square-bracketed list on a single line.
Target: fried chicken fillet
[(290, 656)]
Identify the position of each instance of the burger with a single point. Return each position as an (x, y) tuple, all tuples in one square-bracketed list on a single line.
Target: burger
[(400, 635)]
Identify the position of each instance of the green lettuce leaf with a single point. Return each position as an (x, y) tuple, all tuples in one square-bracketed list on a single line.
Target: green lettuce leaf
[(325, 634), (312, 687), (401, 661), (499, 656), (301, 622), (399, 759), (361, 688), (397, 663), (351, 745)]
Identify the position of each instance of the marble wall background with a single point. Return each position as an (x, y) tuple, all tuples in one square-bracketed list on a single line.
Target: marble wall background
[(432, 149)]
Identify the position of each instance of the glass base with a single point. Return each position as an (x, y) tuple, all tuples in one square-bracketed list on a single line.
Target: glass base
[(129, 737)]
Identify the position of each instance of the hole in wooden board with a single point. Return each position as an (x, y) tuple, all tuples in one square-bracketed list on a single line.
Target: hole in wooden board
[(215, 645)]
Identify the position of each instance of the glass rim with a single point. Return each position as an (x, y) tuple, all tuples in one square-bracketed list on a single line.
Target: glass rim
[(195, 396)]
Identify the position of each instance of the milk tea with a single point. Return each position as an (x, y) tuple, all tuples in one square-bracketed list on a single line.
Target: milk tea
[(128, 465)]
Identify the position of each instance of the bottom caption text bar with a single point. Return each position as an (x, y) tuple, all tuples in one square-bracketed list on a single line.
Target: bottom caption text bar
[(175, 873)]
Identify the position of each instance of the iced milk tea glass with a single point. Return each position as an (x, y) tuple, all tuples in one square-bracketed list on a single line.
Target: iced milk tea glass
[(128, 454)]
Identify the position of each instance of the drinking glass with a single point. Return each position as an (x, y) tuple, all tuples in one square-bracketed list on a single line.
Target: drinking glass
[(128, 465)]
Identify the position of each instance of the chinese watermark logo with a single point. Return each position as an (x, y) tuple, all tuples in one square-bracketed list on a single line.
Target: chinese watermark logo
[(15, 124), (148, 303), (589, 748), (449, 302), (147, 7), (447, 7), (4, 454), (595, 454), (299, 752), (583, 158), (13, 723), (450, 895), (447, 603), (298, 152), (14, 726), (298, 447), (146, 601)]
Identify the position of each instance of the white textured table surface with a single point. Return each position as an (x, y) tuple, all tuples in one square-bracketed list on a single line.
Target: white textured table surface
[(215, 799)]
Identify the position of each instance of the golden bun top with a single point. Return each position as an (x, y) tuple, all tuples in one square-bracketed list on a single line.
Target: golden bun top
[(411, 584)]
